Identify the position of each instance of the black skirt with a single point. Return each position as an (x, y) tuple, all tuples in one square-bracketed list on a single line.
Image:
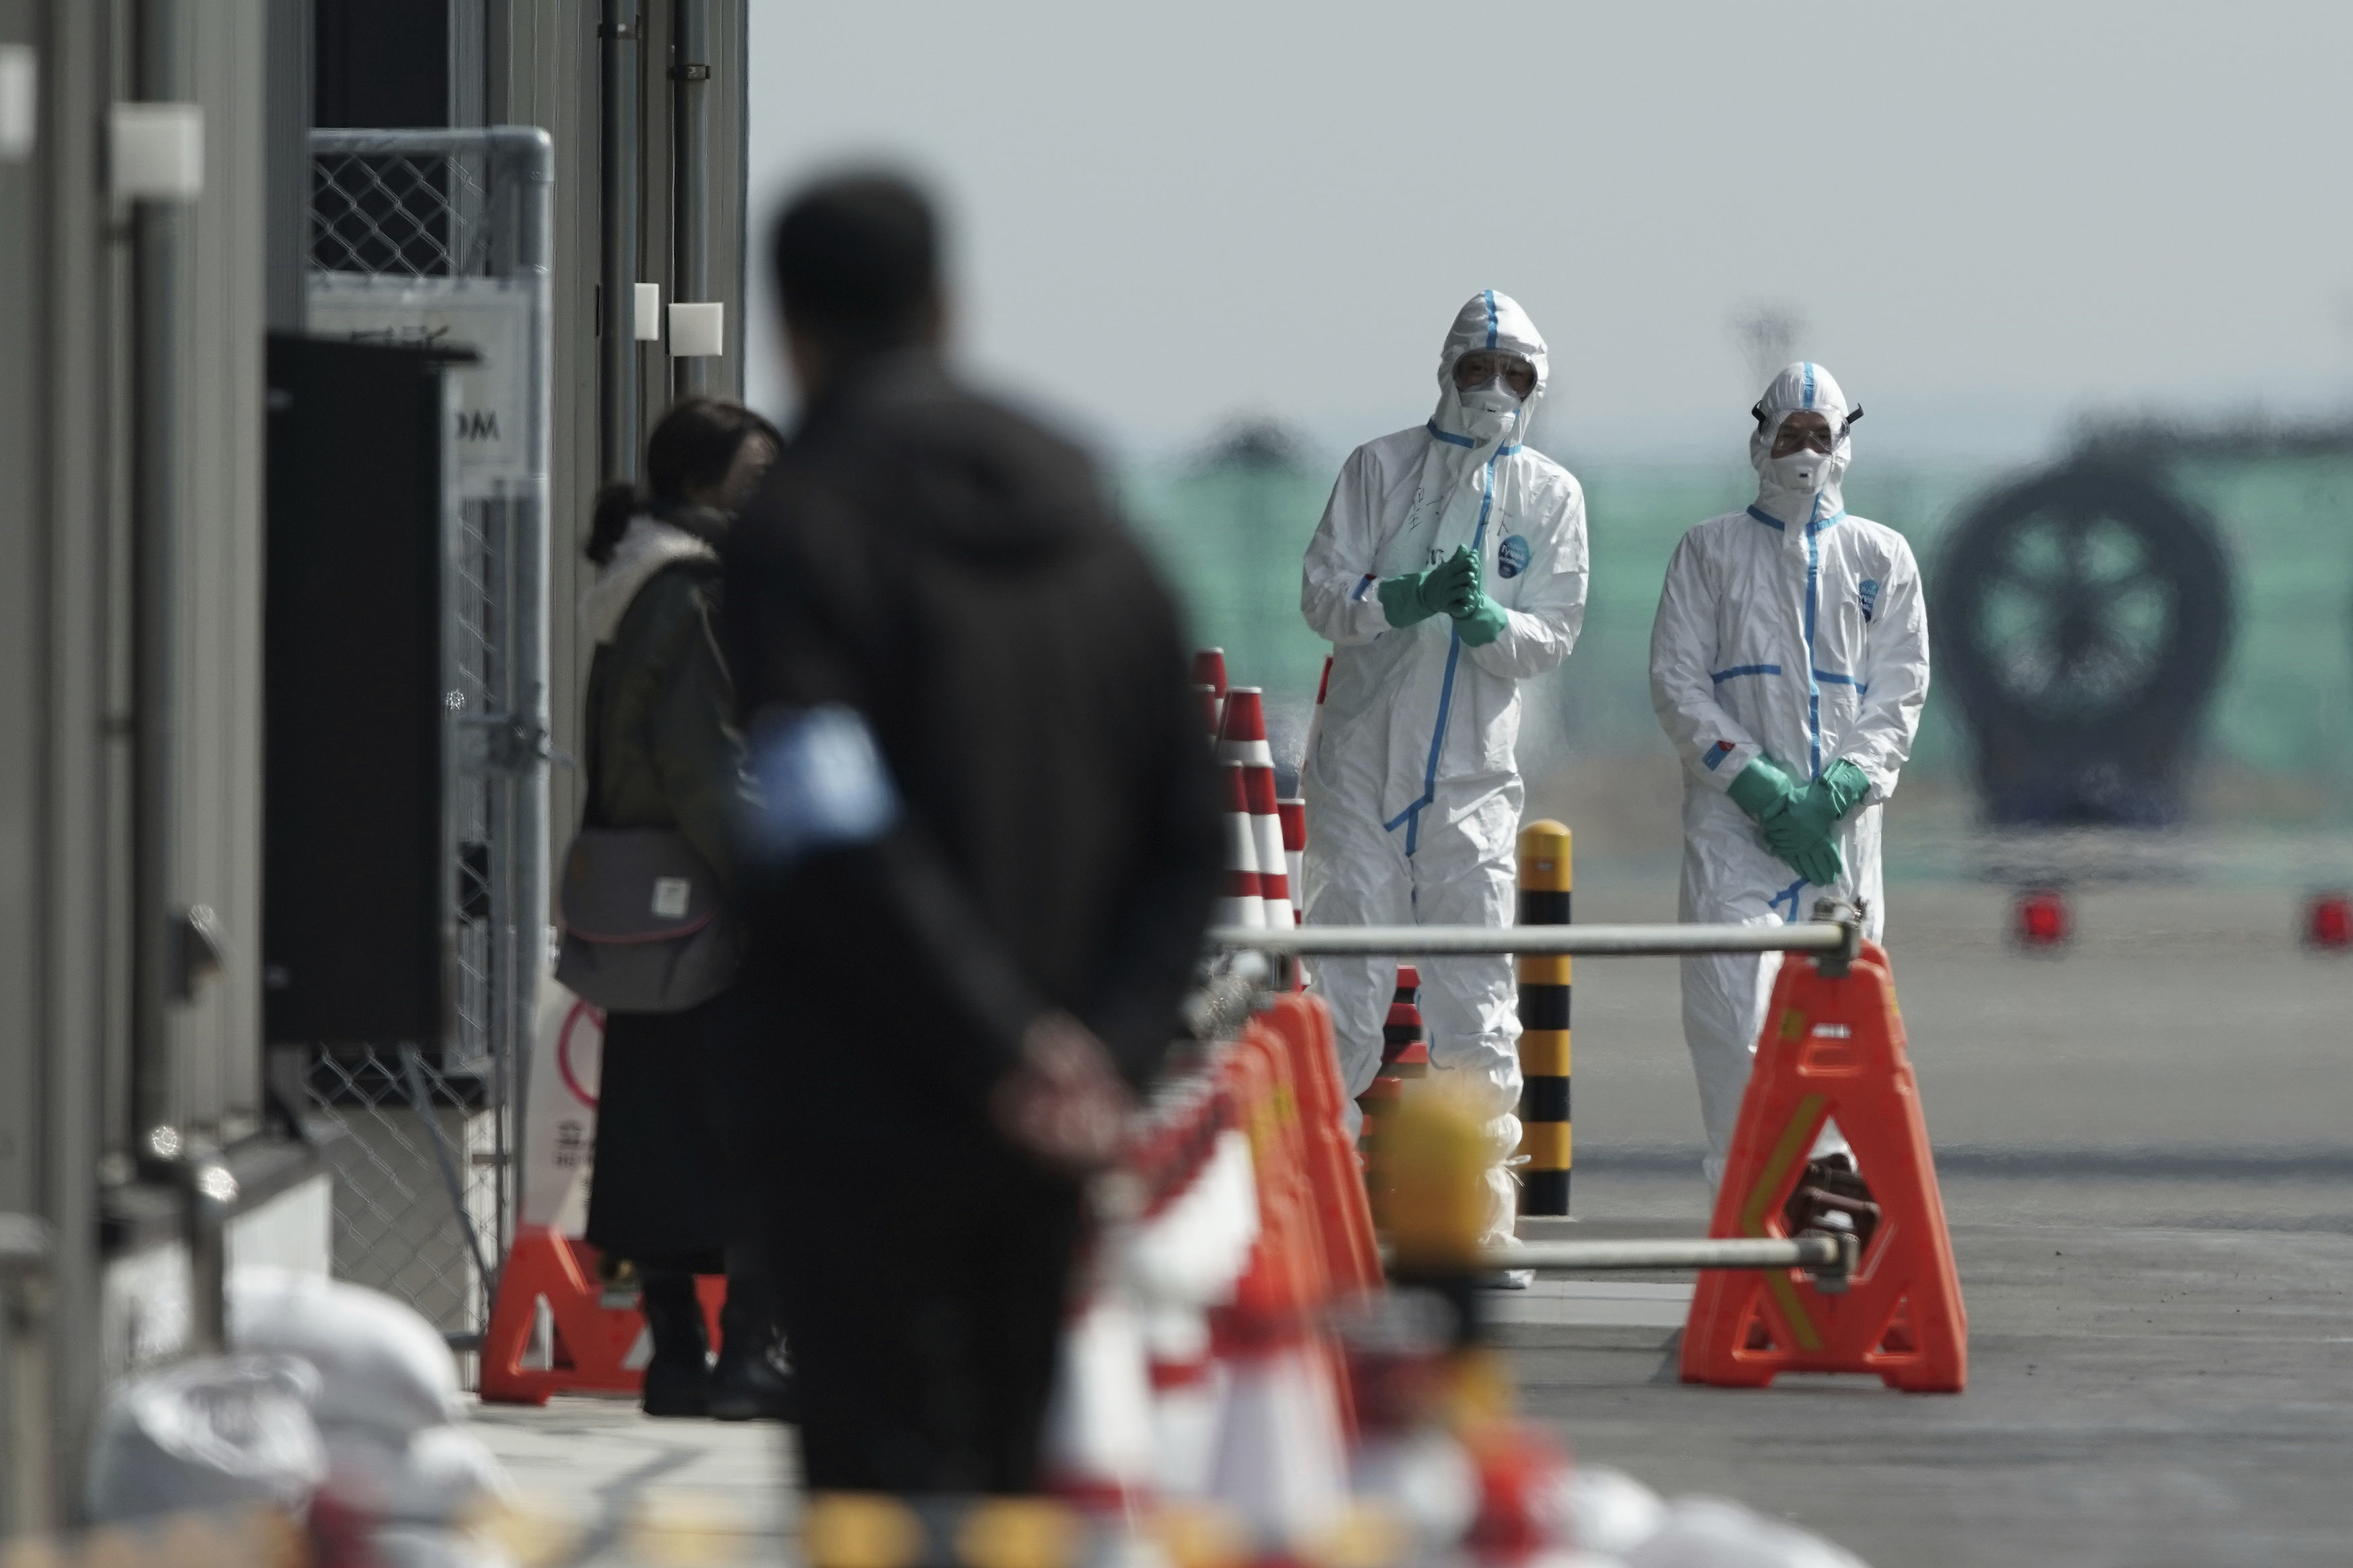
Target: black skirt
[(667, 1188)]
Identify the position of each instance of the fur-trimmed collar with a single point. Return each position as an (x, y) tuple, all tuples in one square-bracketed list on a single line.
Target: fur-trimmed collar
[(648, 547)]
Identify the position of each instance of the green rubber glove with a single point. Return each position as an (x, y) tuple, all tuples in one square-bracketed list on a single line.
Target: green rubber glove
[(1815, 812), (1415, 596), (1462, 580), (1403, 599), (1482, 622), (1764, 790), (1819, 862)]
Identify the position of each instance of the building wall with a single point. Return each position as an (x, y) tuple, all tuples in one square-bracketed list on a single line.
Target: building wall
[(56, 470), (221, 341), (65, 635), (546, 70), (21, 597)]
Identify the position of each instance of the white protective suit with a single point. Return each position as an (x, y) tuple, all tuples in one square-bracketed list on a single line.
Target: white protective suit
[(1413, 790), (1797, 631)]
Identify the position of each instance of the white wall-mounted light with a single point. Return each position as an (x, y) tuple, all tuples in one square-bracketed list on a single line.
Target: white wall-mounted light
[(20, 101), (648, 310), (698, 331), (155, 152)]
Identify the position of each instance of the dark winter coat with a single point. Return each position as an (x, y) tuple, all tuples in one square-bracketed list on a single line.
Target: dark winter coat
[(956, 575), (663, 750)]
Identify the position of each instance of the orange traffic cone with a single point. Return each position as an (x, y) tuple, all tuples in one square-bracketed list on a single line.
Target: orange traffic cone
[(1209, 672), (1833, 1048), (1243, 903), (1405, 1045), (1294, 816), (1315, 718), (1282, 1451), (1243, 742), (1187, 1252), (1404, 1055), (1098, 1429), (1213, 711)]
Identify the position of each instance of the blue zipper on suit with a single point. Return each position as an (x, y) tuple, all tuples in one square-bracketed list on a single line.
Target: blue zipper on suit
[(1813, 599), (1411, 818)]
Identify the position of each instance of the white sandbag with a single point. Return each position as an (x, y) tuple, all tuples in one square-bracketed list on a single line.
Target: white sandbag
[(380, 1364), (451, 1464), (425, 1546), (1716, 1532), (207, 1434), (1609, 1511), (440, 1476)]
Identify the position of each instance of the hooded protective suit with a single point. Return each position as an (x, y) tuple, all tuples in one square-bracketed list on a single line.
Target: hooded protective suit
[(1413, 790), (1798, 632)]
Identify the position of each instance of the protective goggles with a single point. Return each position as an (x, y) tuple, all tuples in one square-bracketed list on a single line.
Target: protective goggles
[(1481, 366), (1824, 440)]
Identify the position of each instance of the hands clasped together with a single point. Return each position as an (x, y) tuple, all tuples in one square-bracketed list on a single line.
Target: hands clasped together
[(1799, 821), (1454, 587)]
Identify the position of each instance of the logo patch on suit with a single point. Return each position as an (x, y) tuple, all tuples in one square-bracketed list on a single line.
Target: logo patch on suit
[(1868, 592), (1512, 557)]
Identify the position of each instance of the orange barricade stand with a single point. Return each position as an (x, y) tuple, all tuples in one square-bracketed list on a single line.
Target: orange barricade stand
[(1285, 1282), (1832, 1047), (592, 1340), (1344, 1213)]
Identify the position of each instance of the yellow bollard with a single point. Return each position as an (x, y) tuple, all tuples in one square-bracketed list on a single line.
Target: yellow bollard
[(1544, 853)]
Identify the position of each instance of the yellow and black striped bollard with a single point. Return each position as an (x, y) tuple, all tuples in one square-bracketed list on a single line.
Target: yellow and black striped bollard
[(1543, 1024)]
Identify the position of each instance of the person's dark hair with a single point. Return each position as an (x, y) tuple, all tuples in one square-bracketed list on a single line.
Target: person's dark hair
[(693, 446), (857, 263)]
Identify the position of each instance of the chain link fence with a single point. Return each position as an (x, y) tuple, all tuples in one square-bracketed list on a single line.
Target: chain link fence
[(442, 239)]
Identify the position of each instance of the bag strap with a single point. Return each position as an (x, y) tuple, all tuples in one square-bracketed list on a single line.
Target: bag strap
[(593, 746)]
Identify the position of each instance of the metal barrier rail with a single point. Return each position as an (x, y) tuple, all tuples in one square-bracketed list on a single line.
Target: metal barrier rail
[(1840, 936), (1831, 1258)]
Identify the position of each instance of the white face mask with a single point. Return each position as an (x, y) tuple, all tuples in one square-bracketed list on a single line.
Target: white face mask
[(1488, 410), (1802, 470)]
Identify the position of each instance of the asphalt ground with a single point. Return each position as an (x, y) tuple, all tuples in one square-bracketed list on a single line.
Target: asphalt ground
[(2146, 1157), (2144, 1150)]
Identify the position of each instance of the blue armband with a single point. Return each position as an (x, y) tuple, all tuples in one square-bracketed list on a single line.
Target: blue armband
[(822, 782)]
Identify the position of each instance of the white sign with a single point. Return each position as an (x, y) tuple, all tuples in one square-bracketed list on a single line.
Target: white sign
[(559, 1132), (20, 101), (490, 316)]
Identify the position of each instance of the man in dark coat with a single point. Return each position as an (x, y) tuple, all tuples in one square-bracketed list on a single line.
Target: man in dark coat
[(986, 859)]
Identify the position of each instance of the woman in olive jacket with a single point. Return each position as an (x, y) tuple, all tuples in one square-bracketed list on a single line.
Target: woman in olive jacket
[(663, 752)]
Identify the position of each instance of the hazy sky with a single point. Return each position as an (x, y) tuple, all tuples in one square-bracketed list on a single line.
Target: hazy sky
[(1990, 216)]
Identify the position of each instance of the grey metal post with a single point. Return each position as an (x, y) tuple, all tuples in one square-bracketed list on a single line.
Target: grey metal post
[(209, 1196), (28, 1433), (691, 140), (530, 153), (620, 35), (154, 524)]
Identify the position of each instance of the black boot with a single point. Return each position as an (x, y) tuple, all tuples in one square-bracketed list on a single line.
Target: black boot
[(748, 1385), (678, 1379)]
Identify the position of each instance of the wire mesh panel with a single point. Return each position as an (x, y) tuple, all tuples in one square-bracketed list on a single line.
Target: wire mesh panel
[(442, 239)]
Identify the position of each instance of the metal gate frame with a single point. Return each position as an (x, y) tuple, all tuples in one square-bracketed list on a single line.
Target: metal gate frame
[(425, 1207)]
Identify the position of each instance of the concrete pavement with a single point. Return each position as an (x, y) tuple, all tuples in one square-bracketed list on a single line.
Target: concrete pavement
[(2144, 1154)]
